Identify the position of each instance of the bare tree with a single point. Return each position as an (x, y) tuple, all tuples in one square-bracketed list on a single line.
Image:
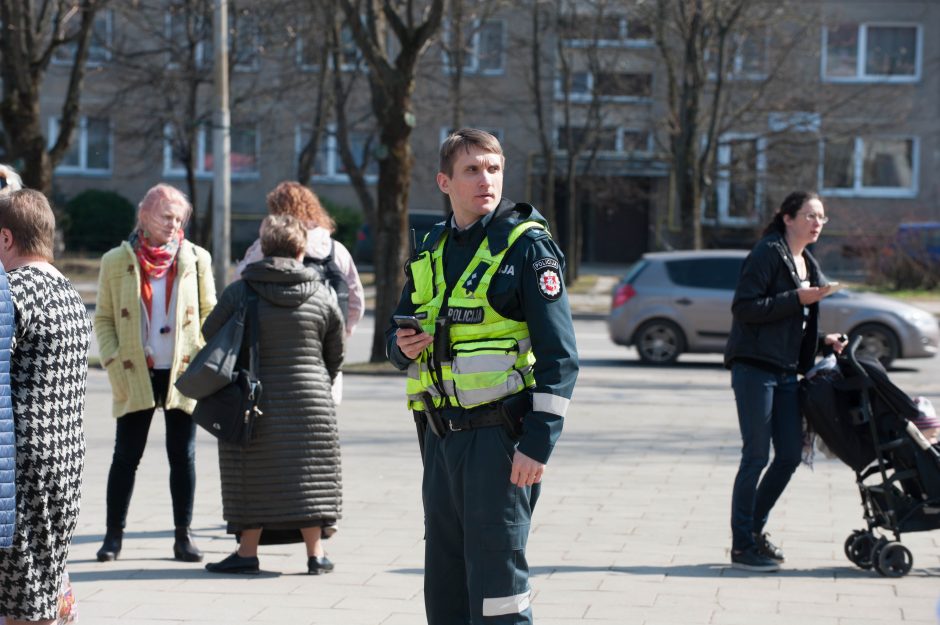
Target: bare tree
[(702, 45), (392, 83), (164, 82), (33, 33)]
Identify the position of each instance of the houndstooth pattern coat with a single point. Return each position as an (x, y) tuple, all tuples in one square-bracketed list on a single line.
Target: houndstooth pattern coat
[(48, 368)]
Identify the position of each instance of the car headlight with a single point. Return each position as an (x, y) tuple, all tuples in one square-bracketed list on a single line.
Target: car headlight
[(920, 319)]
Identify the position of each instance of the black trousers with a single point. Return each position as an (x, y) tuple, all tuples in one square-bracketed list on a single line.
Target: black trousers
[(129, 444)]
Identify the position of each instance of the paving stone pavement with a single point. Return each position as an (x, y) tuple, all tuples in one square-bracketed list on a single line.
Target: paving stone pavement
[(631, 527)]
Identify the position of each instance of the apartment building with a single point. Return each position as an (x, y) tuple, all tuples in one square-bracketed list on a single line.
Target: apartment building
[(852, 112)]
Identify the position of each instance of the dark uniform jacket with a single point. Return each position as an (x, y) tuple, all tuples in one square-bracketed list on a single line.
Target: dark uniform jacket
[(515, 293), (767, 329)]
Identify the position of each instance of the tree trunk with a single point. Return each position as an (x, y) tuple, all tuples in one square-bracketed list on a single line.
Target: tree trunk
[(572, 251), (391, 222)]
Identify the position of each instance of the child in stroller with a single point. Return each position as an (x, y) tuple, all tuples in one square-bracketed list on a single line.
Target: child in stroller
[(871, 425)]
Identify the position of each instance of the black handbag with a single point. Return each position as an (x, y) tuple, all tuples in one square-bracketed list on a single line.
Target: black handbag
[(215, 365), (229, 414)]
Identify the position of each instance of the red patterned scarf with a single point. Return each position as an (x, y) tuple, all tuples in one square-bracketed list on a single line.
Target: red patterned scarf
[(156, 262)]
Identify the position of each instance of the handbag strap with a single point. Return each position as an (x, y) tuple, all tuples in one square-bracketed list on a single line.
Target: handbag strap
[(254, 332)]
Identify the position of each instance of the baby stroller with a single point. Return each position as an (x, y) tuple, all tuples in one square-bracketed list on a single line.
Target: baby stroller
[(866, 421)]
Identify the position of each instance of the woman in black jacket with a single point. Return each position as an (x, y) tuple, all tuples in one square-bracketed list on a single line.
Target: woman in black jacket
[(773, 338)]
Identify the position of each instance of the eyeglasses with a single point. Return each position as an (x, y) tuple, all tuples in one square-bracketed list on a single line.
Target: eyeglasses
[(814, 217)]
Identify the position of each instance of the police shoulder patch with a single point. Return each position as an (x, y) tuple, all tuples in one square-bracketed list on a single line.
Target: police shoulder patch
[(548, 276)]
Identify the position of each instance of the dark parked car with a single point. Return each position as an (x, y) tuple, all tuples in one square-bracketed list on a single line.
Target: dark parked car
[(675, 302), (421, 222)]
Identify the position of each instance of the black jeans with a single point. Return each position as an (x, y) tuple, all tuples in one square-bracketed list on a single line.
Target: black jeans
[(129, 444)]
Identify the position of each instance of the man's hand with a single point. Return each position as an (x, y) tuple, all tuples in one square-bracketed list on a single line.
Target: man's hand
[(525, 470), (411, 342)]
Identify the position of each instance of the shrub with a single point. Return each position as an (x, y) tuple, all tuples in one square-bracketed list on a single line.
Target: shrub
[(97, 220), (348, 220)]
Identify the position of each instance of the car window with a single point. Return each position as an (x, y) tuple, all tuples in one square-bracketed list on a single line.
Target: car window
[(635, 270), (705, 273)]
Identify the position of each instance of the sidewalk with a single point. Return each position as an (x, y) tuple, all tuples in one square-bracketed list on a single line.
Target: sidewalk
[(631, 528)]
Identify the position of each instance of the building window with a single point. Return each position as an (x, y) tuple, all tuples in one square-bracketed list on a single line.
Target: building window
[(245, 146), (484, 51), (739, 192), (608, 139), (870, 166), (90, 149), (188, 32), (245, 43), (309, 52), (610, 86), (99, 45), (328, 164), (872, 53), (604, 30), (746, 57)]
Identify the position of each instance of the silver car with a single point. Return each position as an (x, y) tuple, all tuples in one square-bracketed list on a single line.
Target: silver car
[(675, 302)]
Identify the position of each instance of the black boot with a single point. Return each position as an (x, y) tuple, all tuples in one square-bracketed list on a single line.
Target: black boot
[(111, 548), (183, 548)]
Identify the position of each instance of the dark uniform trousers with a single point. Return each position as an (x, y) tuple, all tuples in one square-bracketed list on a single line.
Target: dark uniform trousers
[(477, 525)]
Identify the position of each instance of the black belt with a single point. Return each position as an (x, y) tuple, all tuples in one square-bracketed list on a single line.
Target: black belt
[(485, 419), (490, 417)]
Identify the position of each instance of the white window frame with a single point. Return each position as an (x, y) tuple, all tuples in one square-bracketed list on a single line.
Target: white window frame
[(255, 65), (201, 61), (333, 160), (723, 185), (623, 41), (472, 58), (736, 71), (81, 142), (344, 67), (858, 165), (619, 131), (585, 96), (862, 52), (203, 139), (108, 15)]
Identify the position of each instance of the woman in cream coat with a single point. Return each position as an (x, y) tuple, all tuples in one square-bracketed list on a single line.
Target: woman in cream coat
[(154, 292)]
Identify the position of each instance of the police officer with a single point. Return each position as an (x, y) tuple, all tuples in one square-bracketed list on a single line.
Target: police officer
[(490, 373)]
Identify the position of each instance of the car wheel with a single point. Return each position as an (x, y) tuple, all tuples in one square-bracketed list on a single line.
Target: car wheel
[(878, 341), (659, 342)]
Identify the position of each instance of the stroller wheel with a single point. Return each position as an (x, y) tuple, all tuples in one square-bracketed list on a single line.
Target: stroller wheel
[(894, 560), (858, 548)]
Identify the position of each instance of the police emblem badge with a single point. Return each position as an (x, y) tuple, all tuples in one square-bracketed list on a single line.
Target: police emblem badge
[(548, 275)]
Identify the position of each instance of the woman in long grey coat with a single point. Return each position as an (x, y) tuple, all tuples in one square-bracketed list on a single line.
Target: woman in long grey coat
[(285, 486)]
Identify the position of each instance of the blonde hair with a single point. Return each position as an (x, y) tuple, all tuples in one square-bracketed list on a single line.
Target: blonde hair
[(10, 181), (283, 235), (297, 200), (159, 195), (27, 214)]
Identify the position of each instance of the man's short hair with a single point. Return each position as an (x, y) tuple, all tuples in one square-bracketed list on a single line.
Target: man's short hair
[(283, 235), (464, 139), (27, 214)]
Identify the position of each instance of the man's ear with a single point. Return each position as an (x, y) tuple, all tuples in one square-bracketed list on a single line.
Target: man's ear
[(6, 238), (443, 183)]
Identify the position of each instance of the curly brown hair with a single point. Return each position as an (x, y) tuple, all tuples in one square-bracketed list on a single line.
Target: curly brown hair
[(294, 199)]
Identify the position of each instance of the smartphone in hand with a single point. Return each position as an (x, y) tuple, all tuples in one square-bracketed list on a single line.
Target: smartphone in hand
[(408, 321)]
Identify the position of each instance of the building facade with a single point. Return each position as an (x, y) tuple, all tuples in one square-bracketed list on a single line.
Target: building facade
[(846, 105)]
